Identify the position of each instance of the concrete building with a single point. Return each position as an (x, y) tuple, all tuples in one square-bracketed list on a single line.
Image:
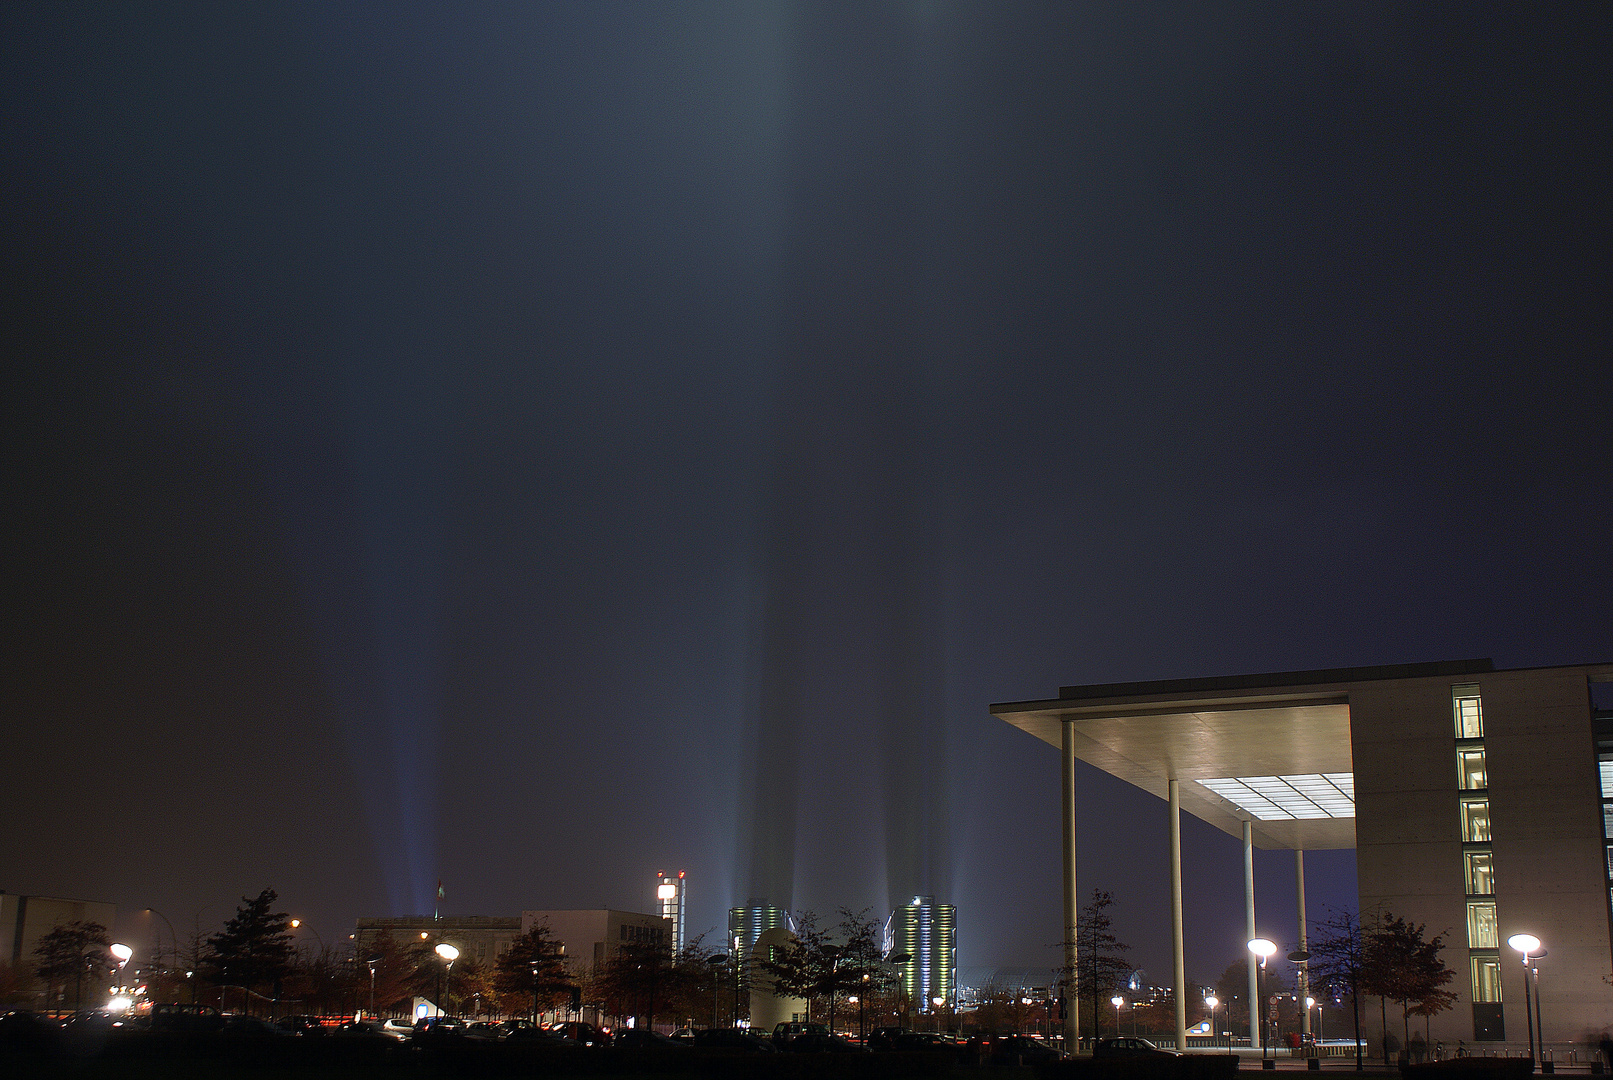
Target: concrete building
[(593, 935), (26, 919), (927, 933), (1476, 799), (669, 896), (481, 939)]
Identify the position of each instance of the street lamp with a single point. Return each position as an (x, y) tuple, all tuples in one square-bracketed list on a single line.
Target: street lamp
[(938, 1001), (1263, 948), (449, 954), (901, 960), (372, 961), (1212, 1001), (1529, 946), (715, 960), (1117, 1001)]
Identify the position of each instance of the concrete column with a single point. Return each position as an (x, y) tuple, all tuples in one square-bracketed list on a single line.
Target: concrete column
[(1072, 1015), (1256, 1006), (1304, 983), (1179, 962)]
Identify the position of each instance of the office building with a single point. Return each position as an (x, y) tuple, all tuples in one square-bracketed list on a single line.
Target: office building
[(747, 924), (669, 894), (593, 935), (927, 933), (1475, 799), (480, 939), (26, 919)]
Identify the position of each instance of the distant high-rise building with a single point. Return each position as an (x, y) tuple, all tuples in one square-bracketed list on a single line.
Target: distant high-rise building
[(746, 924), (669, 894), (928, 933)]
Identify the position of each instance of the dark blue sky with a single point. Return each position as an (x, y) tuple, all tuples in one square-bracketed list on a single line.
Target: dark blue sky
[(536, 446)]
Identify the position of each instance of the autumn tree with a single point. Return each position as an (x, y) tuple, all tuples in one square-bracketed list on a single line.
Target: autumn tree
[(68, 953), (255, 947), (1405, 968), (532, 971)]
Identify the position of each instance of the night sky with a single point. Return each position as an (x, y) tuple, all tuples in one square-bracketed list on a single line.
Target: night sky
[(537, 446)]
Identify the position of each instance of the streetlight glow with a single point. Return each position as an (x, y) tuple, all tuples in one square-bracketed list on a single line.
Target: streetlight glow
[(1262, 947), (448, 952), (1527, 944), (122, 952)]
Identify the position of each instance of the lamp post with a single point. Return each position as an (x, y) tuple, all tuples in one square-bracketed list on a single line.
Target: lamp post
[(862, 997), (1310, 1003), (938, 1001), (171, 934), (901, 960), (372, 961), (1212, 1001), (449, 954), (1117, 1001), (1263, 948), (1529, 946), (715, 960)]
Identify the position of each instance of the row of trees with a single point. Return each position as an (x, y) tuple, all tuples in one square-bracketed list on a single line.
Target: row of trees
[(1389, 958)]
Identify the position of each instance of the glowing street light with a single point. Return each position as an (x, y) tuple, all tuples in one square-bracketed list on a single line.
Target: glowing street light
[(1263, 948), (1529, 946), (1212, 1001), (449, 954), (1117, 1001)]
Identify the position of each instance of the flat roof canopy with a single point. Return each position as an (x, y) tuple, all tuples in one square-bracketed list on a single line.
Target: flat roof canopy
[(1285, 736)]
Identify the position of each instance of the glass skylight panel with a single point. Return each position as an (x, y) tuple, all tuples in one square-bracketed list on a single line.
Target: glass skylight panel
[(1286, 798)]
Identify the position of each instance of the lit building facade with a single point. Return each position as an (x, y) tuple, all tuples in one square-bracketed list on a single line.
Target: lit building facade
[(746, 924), (1475, 799), (928, 933), (669, 895), (480, 939)]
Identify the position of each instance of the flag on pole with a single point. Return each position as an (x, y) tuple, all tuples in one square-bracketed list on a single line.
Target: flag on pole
[(437, 914)]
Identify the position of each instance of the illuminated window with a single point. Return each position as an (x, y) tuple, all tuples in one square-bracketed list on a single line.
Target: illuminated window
[(1480, 873), (1486, 978), (1470, 769), (1606, 768), (1476, 821), (1481, 928), (1469, 712)]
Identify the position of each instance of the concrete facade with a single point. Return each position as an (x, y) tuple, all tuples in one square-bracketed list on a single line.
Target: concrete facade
[(480, 939), (1518, 792), (593, 935), (26, 919)]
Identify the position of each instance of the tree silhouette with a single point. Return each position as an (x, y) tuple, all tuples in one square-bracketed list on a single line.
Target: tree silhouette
[(255, 947), (1339, 961), (64, 954), (1406, 969), (1100, 965), (532, 972)]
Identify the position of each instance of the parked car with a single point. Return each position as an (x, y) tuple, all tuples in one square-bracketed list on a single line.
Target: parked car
[(1129, 1048), (241, 1026), (923, 1042), (732, 1040), (883, 1038), (173, 1016), (822, 1042), (301, 1025), (398, 1029), (787, 1030), (580, 1031), (1017, 1050), (636, 1039)]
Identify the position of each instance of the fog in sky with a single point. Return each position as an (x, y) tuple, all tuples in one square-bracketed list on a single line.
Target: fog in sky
[(535, 446)]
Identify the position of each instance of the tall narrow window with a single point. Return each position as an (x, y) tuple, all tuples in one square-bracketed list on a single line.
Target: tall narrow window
[(1476, 821), (1470, 769), (1469, 712), (1480, 873), (1481, 927), (1486, 978)]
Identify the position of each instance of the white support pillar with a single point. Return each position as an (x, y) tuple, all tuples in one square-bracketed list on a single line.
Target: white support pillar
[(1179, 962), (1256, 1006), (1304, 983), (1072, 1014)]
